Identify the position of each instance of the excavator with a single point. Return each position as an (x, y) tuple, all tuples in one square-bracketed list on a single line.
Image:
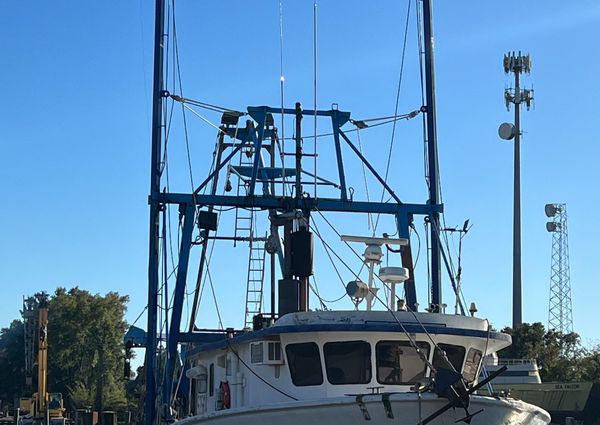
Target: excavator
[(42, 407)]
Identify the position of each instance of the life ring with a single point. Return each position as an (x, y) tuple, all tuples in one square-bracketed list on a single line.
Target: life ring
[(225, 394)]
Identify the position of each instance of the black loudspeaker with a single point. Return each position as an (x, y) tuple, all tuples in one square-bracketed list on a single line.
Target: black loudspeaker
[(207, 220), (302, 253)]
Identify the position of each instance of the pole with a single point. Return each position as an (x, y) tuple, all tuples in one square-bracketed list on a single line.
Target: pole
[(432, 156), (517, 302), (298, 189), (157, 93)]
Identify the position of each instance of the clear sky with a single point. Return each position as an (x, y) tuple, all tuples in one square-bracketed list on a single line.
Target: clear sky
[(75, 126)]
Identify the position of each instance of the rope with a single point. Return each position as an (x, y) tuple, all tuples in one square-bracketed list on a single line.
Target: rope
[(389, 160)]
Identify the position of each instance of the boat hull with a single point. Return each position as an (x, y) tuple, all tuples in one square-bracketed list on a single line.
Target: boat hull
[(402, 409)]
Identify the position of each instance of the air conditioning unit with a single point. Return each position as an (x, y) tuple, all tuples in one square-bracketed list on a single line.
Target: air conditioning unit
[(266, 352)]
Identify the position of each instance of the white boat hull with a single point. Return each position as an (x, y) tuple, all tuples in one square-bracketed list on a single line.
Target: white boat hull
[(403, 409)]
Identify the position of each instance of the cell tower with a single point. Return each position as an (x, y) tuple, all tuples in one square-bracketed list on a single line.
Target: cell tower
[(516, 64), (560, 313)]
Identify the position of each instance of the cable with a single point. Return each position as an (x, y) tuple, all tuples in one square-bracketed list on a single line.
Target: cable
[(387, 167), (364, 172), (315, 92), (314, 226), (385, 304), (411, 341), (281, 91), (257, 375)]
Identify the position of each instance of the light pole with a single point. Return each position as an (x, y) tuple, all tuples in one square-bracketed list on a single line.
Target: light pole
[(516, 64)]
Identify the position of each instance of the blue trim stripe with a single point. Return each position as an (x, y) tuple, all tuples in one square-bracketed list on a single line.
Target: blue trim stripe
[(434, 329)]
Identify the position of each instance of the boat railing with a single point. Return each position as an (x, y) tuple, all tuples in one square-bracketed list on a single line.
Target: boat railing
[(513, 362)]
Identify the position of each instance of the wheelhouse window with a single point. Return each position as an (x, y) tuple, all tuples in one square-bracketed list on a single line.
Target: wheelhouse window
[(398, 362), (454, 353), (305, 364), (348, 362), (472, 364)]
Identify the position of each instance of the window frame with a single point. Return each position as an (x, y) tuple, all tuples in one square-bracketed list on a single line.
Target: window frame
[(444, 346), (291, 364), (469, 362), (408, 344), (369, 368)]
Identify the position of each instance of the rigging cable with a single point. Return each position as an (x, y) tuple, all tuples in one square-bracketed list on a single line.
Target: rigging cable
[(281, 91), (442, 352), (370, 223), (410, 339), (315, 93), (256, 374), (185, 127), (389, 160)]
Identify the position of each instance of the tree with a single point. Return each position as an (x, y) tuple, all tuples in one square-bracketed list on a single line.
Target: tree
[(86, 347), (560, 355), (12, 361)]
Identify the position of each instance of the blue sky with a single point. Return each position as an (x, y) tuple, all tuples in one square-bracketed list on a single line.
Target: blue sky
[(75, 126)]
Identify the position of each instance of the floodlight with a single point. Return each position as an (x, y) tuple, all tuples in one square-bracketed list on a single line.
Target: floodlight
[(551, 210)]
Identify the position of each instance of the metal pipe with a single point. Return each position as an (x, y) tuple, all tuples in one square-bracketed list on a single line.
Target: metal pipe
[(155, 164), (432, 155)]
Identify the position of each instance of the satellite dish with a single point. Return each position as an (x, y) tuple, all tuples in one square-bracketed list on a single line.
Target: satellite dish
[(506, 131), (551, 226), (550, 210)]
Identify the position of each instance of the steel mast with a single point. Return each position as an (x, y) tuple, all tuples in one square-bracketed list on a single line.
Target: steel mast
[(155, 208), (432, 157)]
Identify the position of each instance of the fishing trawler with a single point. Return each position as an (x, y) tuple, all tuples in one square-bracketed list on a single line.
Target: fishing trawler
[(380, 361)]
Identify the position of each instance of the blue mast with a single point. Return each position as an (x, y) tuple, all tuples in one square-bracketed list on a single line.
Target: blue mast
[(432, 158), (155, 207)]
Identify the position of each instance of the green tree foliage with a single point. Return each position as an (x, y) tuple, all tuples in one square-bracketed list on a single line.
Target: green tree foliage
[(561, 356), (12, 361), (85, 351), (85, 338)]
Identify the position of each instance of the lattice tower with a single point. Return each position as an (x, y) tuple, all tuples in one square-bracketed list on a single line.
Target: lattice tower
[(560, 312)]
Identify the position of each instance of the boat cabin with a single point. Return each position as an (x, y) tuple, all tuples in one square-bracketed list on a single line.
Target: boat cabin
[(315, 355)]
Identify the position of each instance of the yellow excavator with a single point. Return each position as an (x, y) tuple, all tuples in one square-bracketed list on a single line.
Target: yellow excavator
[(43, 407)]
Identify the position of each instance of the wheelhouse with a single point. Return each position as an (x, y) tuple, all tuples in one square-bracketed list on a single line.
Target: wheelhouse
[(314, 355)]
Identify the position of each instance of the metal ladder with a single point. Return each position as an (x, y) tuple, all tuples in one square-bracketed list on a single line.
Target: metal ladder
[(254, 280), (244, 219), (245, 230)]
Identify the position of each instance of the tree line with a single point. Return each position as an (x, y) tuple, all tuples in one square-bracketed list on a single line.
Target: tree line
[(85, 351)]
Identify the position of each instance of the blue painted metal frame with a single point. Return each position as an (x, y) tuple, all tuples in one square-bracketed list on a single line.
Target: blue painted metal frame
[(189, 214), (189, 202), (154, 231)]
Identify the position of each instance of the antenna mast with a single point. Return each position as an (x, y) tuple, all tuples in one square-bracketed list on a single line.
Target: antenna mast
[(516, 64)]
